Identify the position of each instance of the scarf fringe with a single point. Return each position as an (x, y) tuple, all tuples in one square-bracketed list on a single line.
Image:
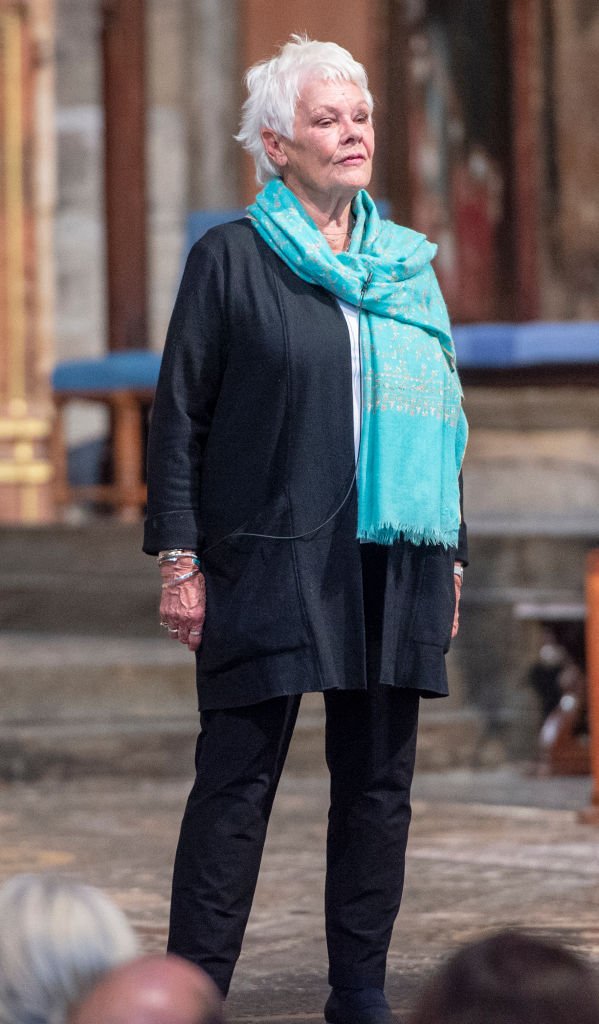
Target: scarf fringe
[(385, 533)]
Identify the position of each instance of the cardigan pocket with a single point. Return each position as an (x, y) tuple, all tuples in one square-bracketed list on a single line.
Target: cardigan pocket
[(253, 606), (434, 598)]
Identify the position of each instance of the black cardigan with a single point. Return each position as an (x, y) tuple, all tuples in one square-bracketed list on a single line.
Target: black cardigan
[(252, 430)]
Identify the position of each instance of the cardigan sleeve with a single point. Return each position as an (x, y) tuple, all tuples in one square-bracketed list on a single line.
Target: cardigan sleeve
[(186, 395)]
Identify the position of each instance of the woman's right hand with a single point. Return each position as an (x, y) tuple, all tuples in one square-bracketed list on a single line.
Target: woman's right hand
[(183, 607)]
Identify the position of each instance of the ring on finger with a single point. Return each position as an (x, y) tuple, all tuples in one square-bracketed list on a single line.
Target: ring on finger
[(195, 632), (172, 630)]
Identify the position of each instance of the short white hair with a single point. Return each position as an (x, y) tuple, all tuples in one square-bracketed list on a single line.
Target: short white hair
[(57, 939), (274, 87)]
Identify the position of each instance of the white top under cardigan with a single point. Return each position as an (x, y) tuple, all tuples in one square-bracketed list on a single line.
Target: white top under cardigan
[(352, 319)]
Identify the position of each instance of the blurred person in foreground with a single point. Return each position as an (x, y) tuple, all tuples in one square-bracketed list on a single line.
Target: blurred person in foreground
[(57, 938), (511, 978), (152, 990), (304, 502)]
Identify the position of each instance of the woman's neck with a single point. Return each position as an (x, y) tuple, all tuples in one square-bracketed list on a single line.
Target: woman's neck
[(336, 235), (332, 216)]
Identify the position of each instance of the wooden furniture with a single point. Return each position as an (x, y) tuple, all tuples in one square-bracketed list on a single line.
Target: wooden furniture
[(123, 382)]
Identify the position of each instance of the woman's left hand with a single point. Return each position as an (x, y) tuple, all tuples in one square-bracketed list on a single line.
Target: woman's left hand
[(456, 618), (183, 600)]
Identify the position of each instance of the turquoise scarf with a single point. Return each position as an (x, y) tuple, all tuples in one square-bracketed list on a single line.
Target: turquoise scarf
[(413, 428)]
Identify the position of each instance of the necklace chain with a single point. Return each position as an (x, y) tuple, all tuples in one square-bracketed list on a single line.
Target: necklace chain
[(341, 234)]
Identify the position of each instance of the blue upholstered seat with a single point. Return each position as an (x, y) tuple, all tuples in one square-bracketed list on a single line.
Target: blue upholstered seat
[(200, 221), (506, 345), (135, 368), (499, 346)]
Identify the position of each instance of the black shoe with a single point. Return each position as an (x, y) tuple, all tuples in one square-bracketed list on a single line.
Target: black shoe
[(358, 1006)]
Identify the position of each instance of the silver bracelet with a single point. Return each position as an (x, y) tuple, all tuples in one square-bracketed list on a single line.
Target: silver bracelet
[(172, 554), (163, 559), (176, 551), (180, 579), (458, 570)]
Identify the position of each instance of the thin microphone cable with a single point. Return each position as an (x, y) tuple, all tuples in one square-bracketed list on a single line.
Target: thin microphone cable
[(315, 529)]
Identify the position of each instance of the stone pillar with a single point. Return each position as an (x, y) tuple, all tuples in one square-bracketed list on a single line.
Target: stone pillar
[(193, 107), (398, 179), (213, 103), (167, 156), (572, 214), (79, 222), (526, 63), (26, 298), (123, 51)]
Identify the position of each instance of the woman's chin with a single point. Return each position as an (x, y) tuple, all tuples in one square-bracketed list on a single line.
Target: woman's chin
[(355, 175), (351, 181)]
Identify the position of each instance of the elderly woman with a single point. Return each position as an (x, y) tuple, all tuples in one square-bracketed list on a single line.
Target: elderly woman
[(304, 502)]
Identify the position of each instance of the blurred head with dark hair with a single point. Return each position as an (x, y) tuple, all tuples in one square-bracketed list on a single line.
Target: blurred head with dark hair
[(511, 978)]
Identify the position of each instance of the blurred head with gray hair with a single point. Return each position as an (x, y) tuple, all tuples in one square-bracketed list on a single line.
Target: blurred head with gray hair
[(57, 939)]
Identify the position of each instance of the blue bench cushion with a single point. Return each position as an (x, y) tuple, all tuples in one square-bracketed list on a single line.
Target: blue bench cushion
[(503, 346), (200, 221), (483, 346), (115, 371)]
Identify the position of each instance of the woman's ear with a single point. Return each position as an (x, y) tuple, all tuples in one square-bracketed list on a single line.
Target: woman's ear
[(274, 147)]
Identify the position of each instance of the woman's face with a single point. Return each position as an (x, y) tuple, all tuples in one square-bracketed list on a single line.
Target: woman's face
[(331, 152)]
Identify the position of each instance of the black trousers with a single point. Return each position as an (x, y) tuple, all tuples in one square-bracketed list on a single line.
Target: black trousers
[(370, 751)]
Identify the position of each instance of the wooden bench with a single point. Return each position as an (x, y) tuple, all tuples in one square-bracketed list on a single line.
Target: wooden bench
[(124, 383)]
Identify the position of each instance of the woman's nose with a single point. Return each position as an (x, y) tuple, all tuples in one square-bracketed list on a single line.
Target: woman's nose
[(352, 132)]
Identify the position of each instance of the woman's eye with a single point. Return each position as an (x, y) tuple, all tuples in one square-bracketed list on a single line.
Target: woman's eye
[(325, 123)]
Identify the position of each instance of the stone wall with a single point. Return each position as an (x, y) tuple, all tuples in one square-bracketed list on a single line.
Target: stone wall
[(533, 454), (531, 482)]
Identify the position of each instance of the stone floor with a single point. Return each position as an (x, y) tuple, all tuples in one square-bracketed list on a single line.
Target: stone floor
[(488, 850)]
